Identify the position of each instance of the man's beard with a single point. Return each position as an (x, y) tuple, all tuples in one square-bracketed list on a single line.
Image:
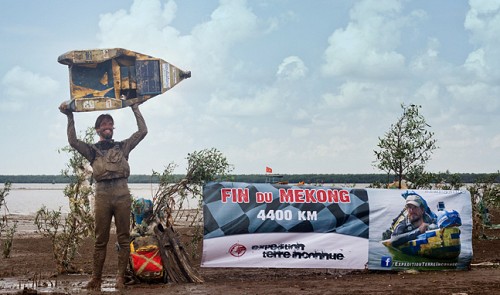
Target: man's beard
[(107, 135), (415, 218)]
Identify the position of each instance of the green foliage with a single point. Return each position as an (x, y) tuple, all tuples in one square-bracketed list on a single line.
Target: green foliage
[(419, 179), (407, 146), (67, 232), (377, 184), (9, 238), (4, 192), (6, 230), (171, 200), (206, 165), (490, 189), (485, 194)]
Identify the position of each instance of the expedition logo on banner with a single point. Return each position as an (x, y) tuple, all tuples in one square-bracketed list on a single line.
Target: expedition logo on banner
[(287, 226)]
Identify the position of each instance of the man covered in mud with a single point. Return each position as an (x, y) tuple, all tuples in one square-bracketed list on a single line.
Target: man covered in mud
[(416, 222), (109, 160)]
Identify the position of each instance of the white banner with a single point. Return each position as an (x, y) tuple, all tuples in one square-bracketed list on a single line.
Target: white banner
[(292, 226)]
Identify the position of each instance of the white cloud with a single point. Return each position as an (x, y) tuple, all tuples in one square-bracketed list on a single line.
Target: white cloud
[(22, 83), (300, 131), (143, 21), (495, 142), (300, 87), (483, 23), (292, 68), (366, 48), (229, 104), (483, 19), (476, 96), (147, 28), (476, 64), (361, 95), (21, 86), (426, 62), (276, 23), (372, 76)]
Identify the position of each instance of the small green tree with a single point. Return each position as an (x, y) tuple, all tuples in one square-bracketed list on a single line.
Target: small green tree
[(67, 231), (7, 230), (485, 193), (407, 146), (171, 199)]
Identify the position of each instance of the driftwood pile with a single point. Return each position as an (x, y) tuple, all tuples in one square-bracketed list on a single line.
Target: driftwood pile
[(158, 230), (174, 257)]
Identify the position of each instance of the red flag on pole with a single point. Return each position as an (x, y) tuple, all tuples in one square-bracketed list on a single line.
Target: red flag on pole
[(269, 170)]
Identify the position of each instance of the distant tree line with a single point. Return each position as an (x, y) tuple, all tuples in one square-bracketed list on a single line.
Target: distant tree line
[(261, 178)]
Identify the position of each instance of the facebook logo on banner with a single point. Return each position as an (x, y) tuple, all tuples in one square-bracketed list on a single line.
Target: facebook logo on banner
[(386, 261)]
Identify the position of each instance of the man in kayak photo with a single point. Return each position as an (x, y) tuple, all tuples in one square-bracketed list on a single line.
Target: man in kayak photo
[(416, 222)]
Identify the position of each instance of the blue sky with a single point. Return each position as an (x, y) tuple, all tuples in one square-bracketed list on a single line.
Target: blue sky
[(299, 86)]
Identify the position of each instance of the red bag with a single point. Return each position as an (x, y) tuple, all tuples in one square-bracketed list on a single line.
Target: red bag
[(146, 261)]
